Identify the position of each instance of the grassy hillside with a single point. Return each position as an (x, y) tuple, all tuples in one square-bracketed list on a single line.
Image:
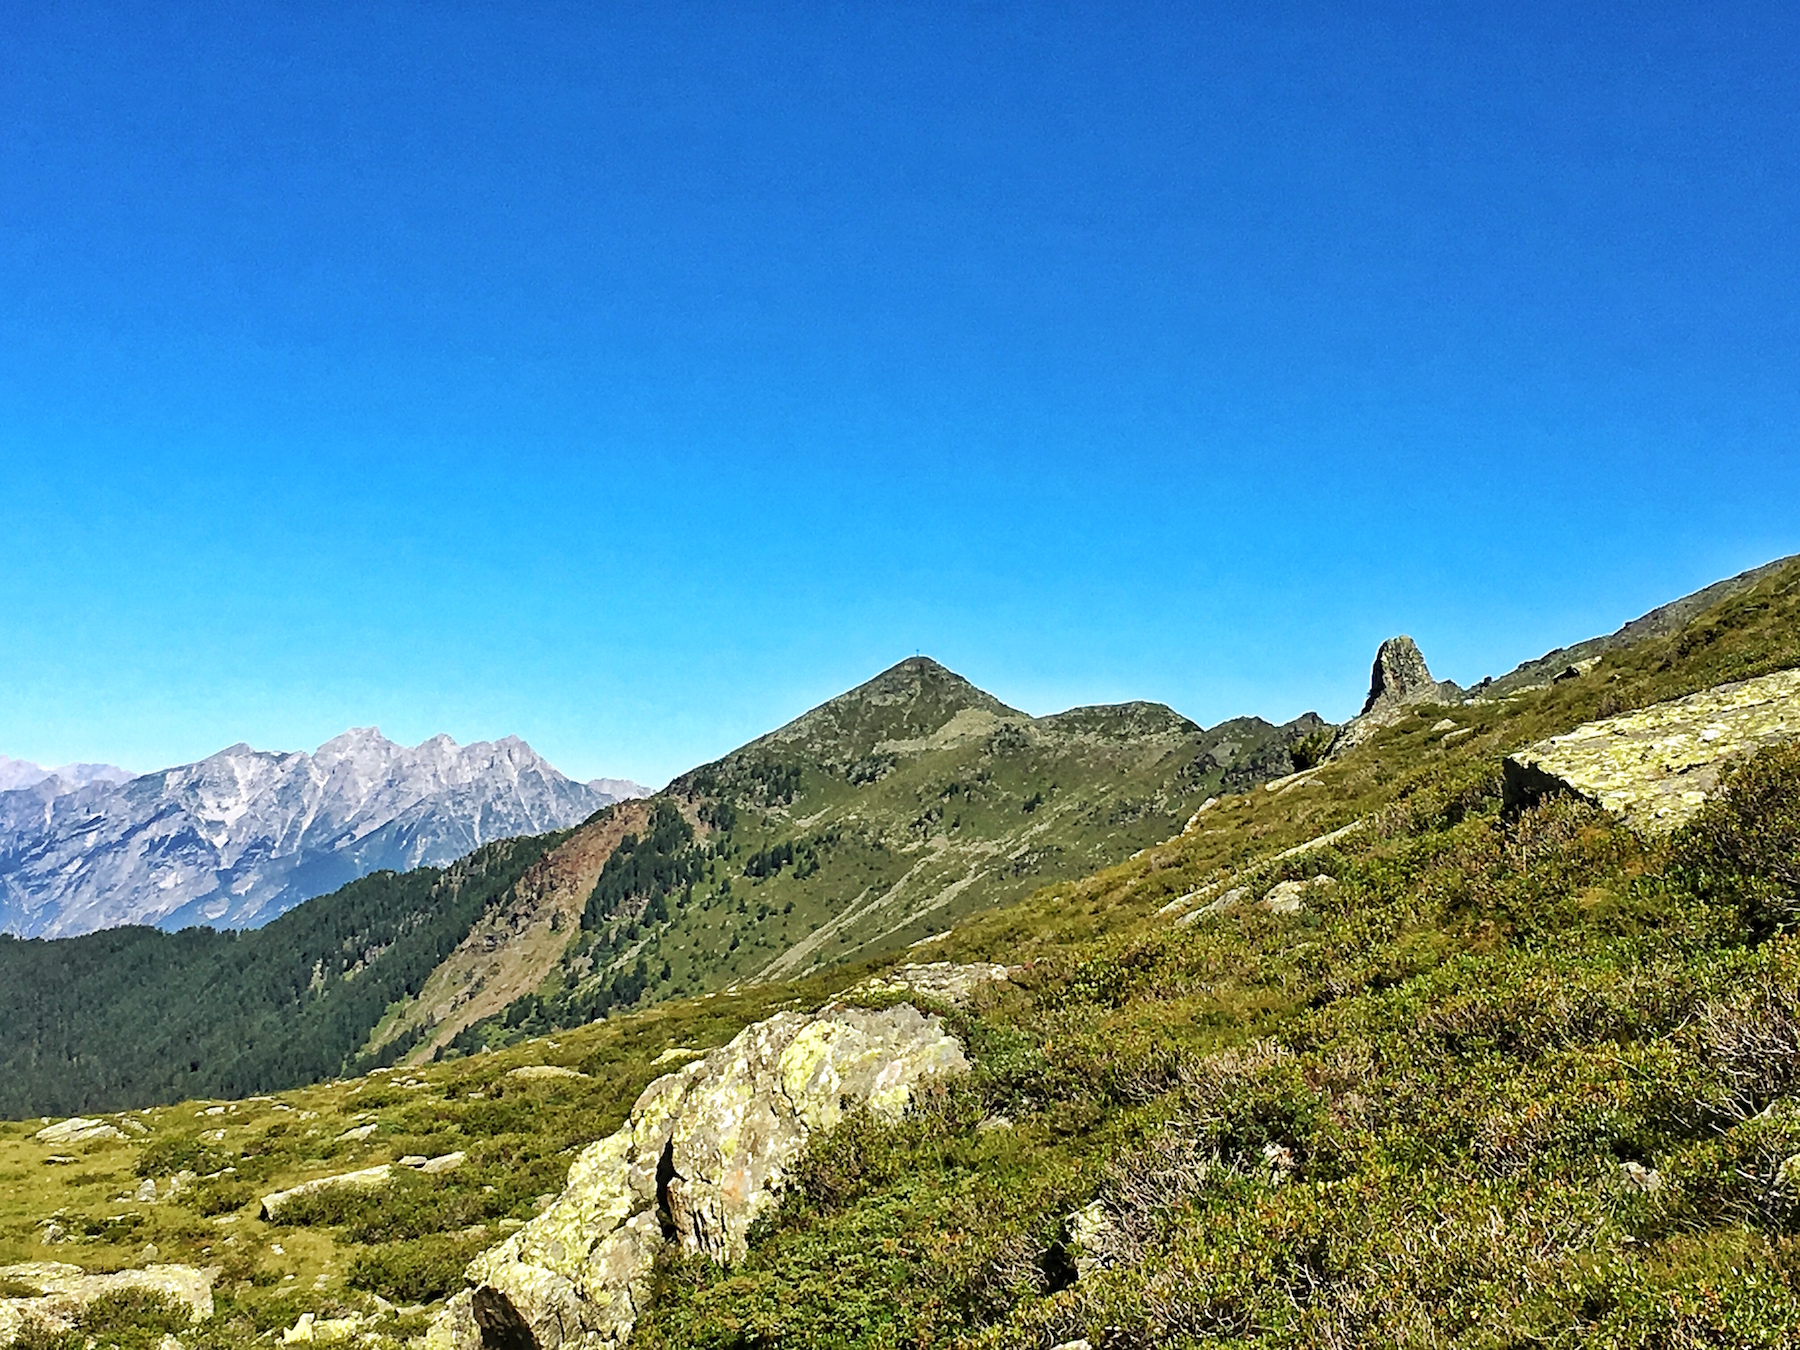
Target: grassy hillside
[(1508, 1080), (875, 821)]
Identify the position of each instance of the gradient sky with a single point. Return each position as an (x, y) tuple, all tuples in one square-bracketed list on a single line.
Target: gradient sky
[(632, 377)]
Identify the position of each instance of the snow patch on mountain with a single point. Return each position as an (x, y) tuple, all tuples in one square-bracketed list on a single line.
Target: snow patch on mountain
[(245, 834)]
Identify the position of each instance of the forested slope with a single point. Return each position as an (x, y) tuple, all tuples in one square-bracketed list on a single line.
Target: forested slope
[(132, 1015)]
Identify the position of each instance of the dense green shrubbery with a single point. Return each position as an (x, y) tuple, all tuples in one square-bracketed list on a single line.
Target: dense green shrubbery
[(1511, 1080), (415, 1272)]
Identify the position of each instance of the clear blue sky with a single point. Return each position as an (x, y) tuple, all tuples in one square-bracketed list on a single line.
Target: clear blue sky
[(632, 377)]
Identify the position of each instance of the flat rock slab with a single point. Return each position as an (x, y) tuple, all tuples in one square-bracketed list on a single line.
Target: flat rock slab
[(1654, 767), (945, 981), (367, 1178), (78, 1130)]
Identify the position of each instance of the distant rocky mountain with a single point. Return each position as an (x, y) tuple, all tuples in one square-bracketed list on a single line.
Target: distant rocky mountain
[(22, 773), (239, 837)]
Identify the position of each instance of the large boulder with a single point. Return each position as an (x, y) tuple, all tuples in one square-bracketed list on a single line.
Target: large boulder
[(705, 1150), (64, 1290), (1655, 766)]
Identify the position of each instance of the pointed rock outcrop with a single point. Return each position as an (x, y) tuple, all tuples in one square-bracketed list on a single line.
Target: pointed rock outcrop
[(1399, 680)]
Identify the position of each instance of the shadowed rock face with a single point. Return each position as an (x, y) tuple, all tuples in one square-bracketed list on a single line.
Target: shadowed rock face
[(1399, 680), (705, 1150), (1654, 767), (1400, 676)]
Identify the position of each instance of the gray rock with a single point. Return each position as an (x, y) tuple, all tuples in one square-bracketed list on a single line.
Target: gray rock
[(367, 1179), (1399, 677), (64, 1290), (1091, 1236), (78, 1130), (1289, 897), (705, 1150), (1399, 681)]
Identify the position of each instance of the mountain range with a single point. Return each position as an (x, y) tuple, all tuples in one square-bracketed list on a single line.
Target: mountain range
[(1379, 1039), (22, 773), (243, 835)]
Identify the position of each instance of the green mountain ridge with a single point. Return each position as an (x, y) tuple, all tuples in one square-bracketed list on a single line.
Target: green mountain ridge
[(874, 821)]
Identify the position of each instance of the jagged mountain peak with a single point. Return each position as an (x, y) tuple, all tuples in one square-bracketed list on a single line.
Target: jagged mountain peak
[(236, 838)]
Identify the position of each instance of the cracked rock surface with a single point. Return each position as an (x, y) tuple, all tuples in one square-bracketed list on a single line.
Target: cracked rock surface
[(705, 1150)]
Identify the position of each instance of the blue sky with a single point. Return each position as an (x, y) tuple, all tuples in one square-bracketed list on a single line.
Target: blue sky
[(631, 378)]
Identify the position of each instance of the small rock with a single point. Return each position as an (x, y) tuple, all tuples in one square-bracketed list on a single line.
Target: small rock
[(59, 1160), (414, 1160), (1090, 1233), (445, 1162), (1639, 1178), (1279, 1159), (995, 1123), (1447, 724), (1080, 1344), (146, 1191), (531, 1071), (1288, 897), (360, 1132)]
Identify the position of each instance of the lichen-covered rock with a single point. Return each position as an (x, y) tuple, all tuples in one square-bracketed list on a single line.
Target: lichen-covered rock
[(1654, 767), (705, 1150), (945, 981), (368, 1177), (64, 1290)]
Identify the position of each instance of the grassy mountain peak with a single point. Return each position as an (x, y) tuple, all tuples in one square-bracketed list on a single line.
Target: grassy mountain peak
[(909, 704)]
